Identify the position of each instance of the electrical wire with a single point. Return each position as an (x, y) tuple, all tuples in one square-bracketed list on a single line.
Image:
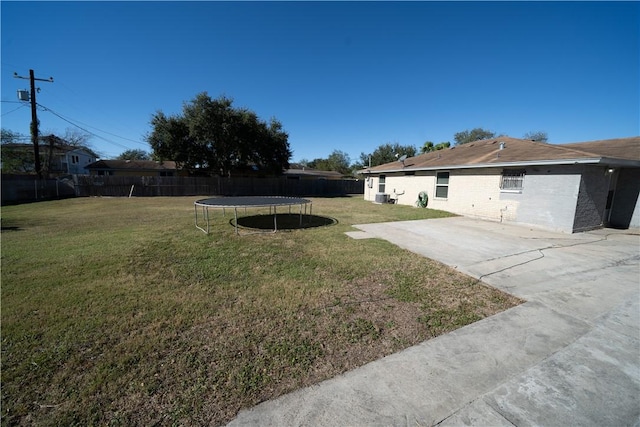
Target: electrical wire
[(14, 110), (101, 130), (88, 131)]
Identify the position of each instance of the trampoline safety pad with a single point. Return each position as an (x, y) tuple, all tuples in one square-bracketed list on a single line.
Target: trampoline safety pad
[(246, 202)]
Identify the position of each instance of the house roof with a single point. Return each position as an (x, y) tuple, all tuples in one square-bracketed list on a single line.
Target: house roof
[(58, 148), (133, 165), (300, 170), (513, 152)]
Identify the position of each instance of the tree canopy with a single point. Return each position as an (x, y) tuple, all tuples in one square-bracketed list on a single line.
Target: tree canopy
[(429, 146), (77, 138), (14, 159), (17, 155), (134, 154), (538, 136), (8, 136), (213, 136), (386, 153), (476, 134), (338, 161)]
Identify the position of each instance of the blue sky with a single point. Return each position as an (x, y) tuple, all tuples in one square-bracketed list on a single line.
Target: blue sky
[(346, 76)]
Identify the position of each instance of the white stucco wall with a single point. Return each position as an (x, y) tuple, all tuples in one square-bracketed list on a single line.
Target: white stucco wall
[(548, 199)]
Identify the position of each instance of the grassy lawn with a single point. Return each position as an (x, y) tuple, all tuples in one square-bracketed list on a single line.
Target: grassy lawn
[(120, 312)]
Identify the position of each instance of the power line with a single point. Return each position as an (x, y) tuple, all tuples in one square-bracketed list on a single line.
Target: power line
[(15, 109), (83, 129), (69, 89), (93, 127)]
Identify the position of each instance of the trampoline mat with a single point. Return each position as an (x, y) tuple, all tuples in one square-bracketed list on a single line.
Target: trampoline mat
[(251, 201)]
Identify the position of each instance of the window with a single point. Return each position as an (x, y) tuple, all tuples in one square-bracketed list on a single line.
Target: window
[(442, 185), (512, 180), (381, 184)]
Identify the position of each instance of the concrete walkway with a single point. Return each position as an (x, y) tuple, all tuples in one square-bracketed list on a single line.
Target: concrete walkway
[(570, 355)]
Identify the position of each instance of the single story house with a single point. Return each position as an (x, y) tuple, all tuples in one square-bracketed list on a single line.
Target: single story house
[(132, 168), (299, 171), (560, 187)]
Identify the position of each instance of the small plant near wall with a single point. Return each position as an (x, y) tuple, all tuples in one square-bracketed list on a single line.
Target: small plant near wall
[(423, 199)]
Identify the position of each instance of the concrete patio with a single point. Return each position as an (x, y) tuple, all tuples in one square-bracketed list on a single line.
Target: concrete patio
[(570, 355)]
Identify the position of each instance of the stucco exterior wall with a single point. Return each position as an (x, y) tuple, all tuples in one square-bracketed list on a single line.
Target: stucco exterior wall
[(475, 193), (472, 192), (547, 200), (403, 188)]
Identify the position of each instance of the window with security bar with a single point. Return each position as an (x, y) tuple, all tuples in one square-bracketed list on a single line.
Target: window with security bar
[(512, 180)]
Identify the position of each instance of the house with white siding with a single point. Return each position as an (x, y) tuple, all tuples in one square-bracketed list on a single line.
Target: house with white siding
[(560, 187)]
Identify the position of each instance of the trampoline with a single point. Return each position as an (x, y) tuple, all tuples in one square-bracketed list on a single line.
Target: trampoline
[(224, 203)]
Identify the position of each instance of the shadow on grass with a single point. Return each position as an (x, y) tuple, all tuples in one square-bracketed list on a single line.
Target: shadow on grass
[(285, 221)]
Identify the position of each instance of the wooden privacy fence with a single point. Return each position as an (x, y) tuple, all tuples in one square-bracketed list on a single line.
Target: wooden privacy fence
[(28, 188), (147, 186)]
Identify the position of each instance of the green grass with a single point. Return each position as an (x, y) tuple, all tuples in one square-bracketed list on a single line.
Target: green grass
[(120, 312)]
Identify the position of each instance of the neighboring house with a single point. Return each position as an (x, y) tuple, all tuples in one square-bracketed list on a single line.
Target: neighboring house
[(57, 158), (132, 168), (564, 187), (298, 171), (72, 160)]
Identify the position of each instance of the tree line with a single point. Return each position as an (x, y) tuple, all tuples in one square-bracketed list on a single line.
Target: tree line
[(214, 137)]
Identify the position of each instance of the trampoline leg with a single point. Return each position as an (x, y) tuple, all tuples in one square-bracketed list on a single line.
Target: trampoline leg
[(300, 216), (205, 216), (275, 220), (235, 212)]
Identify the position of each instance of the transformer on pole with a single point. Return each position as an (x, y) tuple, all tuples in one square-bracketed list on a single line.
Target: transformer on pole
[(34, 117)]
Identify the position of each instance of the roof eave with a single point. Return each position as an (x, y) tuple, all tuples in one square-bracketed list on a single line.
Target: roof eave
[(594, 160)]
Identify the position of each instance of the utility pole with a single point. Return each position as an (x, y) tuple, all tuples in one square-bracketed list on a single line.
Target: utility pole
[(34, 118)]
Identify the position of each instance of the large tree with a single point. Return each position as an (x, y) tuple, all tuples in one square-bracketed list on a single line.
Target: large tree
[(337, 161), (538, 136), (429, 146), (134, 154), (476, 134), (213, 136), (15, 157), (385, 153), (77, 138), (8, 136)]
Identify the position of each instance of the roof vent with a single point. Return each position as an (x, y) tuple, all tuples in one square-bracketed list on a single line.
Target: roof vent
[(502, 145)]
